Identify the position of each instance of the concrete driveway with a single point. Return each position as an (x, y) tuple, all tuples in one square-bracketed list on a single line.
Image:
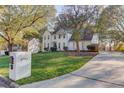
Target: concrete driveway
[(104, 70)]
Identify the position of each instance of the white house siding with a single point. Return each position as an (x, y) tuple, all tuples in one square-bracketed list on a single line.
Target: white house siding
[(46, 41), (68, 36), (33, 45), (60, 40), (85, 44), (70, 44), (95, 39), (63, 41), (82, 45)]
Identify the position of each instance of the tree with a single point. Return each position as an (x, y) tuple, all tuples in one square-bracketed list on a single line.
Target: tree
[(3, 44), (119, 26), (16, 20), (29, 34), (108, 24), (74, 18), (108, 21)]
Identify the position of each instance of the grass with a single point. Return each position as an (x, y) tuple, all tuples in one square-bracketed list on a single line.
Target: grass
[(47, 65)]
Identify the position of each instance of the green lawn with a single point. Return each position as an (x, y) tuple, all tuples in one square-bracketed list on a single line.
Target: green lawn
[(47, 65)]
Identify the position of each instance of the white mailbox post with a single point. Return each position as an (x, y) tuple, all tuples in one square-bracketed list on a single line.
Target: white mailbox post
[(20, 65)]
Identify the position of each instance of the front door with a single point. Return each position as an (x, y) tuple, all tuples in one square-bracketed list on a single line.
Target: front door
[(54, 44)]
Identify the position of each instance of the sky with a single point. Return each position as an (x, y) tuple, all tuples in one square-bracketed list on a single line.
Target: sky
[(58, 8)]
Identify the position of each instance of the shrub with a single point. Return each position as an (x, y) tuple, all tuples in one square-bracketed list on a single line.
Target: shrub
[(53, 49), (92, 47), (65, 48), (7, 53), (46, 49), (40, 51), (121, 49)]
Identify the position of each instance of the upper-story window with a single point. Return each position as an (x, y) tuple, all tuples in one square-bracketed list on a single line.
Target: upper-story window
[(59, 36), (64, 36), (54, 36), (48, 37)]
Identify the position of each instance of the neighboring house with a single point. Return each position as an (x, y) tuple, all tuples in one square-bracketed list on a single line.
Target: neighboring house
[(61, 39), (34, 46), (2, 52), (107, 45)]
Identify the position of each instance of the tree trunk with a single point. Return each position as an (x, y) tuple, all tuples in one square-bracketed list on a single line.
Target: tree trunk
[(110, 47), (10, 47), (77, 46), (27, 45)]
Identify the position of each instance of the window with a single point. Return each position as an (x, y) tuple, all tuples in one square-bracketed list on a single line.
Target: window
[(48, 37), (82, 46), (59, 36), (54, 36), (59, 45), (64, 36)]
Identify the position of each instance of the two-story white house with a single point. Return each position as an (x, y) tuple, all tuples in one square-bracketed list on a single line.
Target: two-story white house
[(61, 39), (57, 39)]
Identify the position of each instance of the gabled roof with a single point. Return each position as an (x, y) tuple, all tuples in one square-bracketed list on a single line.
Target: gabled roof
[(61, 31), (87, 35)]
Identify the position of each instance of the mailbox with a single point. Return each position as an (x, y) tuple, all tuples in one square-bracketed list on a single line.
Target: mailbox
[(11, 62), (19, 65)]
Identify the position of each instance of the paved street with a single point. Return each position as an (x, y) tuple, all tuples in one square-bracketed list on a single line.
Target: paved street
[(105, 70), (2, 82), (2, 85), (7, 83)]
